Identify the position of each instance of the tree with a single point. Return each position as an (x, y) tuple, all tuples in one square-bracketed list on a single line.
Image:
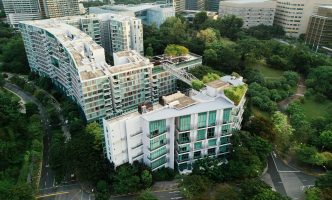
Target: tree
[(309, 155), (269, 195), (149, 51), (320, 80), (230, 26), (202, 70), (208, 35), (210, 77), (326, 139), (283, 131), (194, 186), (227, 192), (197, 84), (313, 193), (199, 19), (31, 108), (125, 180), (146, 195), (2, 81), (176, 50), (102, 192), (174, 31), (96, 132), (146, 179), (324, 181)]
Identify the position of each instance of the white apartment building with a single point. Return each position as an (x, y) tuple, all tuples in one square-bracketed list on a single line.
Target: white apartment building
[(148, 12), (113, 32), (76, 65), (179, 5), (177, 131), (294, 15), (253, 12), (19, 10)]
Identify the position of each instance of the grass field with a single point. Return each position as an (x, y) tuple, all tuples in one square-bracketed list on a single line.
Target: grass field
[(268, 73), (257, 112), (313, 109)]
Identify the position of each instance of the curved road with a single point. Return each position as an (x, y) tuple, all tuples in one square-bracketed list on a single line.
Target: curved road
[(48, 190)]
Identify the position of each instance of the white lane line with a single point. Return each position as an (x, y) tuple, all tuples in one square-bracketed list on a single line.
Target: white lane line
[(177, 191), (177, 198), (289, 171), (45, 183), (274, 154), (46, 173)]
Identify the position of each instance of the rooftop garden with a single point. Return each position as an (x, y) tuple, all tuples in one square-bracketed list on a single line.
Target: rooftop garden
[(236, 93), (175, 50)]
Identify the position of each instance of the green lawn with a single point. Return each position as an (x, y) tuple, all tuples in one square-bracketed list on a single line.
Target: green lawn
[(268, 73), (257, 112), (313, 109)]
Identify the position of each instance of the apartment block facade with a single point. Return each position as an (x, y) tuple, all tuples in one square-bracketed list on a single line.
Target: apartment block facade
[(59, 8), (19, 10), (76, 65), (178, 131), (294, 15), (319, 32), (253, 12)]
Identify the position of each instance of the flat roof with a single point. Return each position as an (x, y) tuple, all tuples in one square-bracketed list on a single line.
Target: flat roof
[(218, 84)]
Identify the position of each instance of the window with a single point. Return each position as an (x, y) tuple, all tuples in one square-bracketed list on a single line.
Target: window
[(212, 142), (226, 115), (184, 123), (212, 118), (157, 142), (198, 145), (224, 140), (184, 137), (202, 119), (225, 129), (158, 162), (212, 151), (223, 149), (158, 153), (201, 134), (183, 157), (210, 133), (157, 127), (197, 154), (184, 148)]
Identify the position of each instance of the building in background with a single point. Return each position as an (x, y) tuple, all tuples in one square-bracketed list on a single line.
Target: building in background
[(177, 131), (212, 5), (253, 12), (113, 32), (76, 65), (20, 10), (59, 8), (319, 32), (179, 5), (195, 5), (148, 12), (294, 15), (189, 15)]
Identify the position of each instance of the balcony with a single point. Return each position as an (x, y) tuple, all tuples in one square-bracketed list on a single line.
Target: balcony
[(156, 133), (152, 158), (183, 140), (160, 145)]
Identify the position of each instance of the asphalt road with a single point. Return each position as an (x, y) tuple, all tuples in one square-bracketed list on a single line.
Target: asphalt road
[(286, 179), (161, 195)]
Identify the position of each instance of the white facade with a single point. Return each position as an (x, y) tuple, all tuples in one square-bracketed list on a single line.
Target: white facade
[(148, 12), (59, 8), (253, 12), (20, 10), (178, 131), (294, 15)]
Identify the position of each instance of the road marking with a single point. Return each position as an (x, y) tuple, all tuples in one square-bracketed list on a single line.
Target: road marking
[(53, 194), (45, 183), (53, 181), (46, 173), (176, 197), (289, 171), (274, 154), (177, 191)]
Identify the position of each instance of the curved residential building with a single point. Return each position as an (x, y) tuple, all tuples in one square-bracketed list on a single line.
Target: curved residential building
[(76, 65)]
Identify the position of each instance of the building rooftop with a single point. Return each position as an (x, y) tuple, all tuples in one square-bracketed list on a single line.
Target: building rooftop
[(159, 60), (218, 84), (133, 7)]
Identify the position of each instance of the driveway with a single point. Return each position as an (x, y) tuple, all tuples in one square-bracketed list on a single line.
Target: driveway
[(300, 91), (286, 179)]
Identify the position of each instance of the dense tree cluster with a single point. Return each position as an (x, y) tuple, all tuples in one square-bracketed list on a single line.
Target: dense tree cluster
[(20, 148), (12, 52)]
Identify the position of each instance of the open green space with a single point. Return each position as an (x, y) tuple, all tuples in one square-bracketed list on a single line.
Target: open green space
[(267, 72), (313, 109)]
